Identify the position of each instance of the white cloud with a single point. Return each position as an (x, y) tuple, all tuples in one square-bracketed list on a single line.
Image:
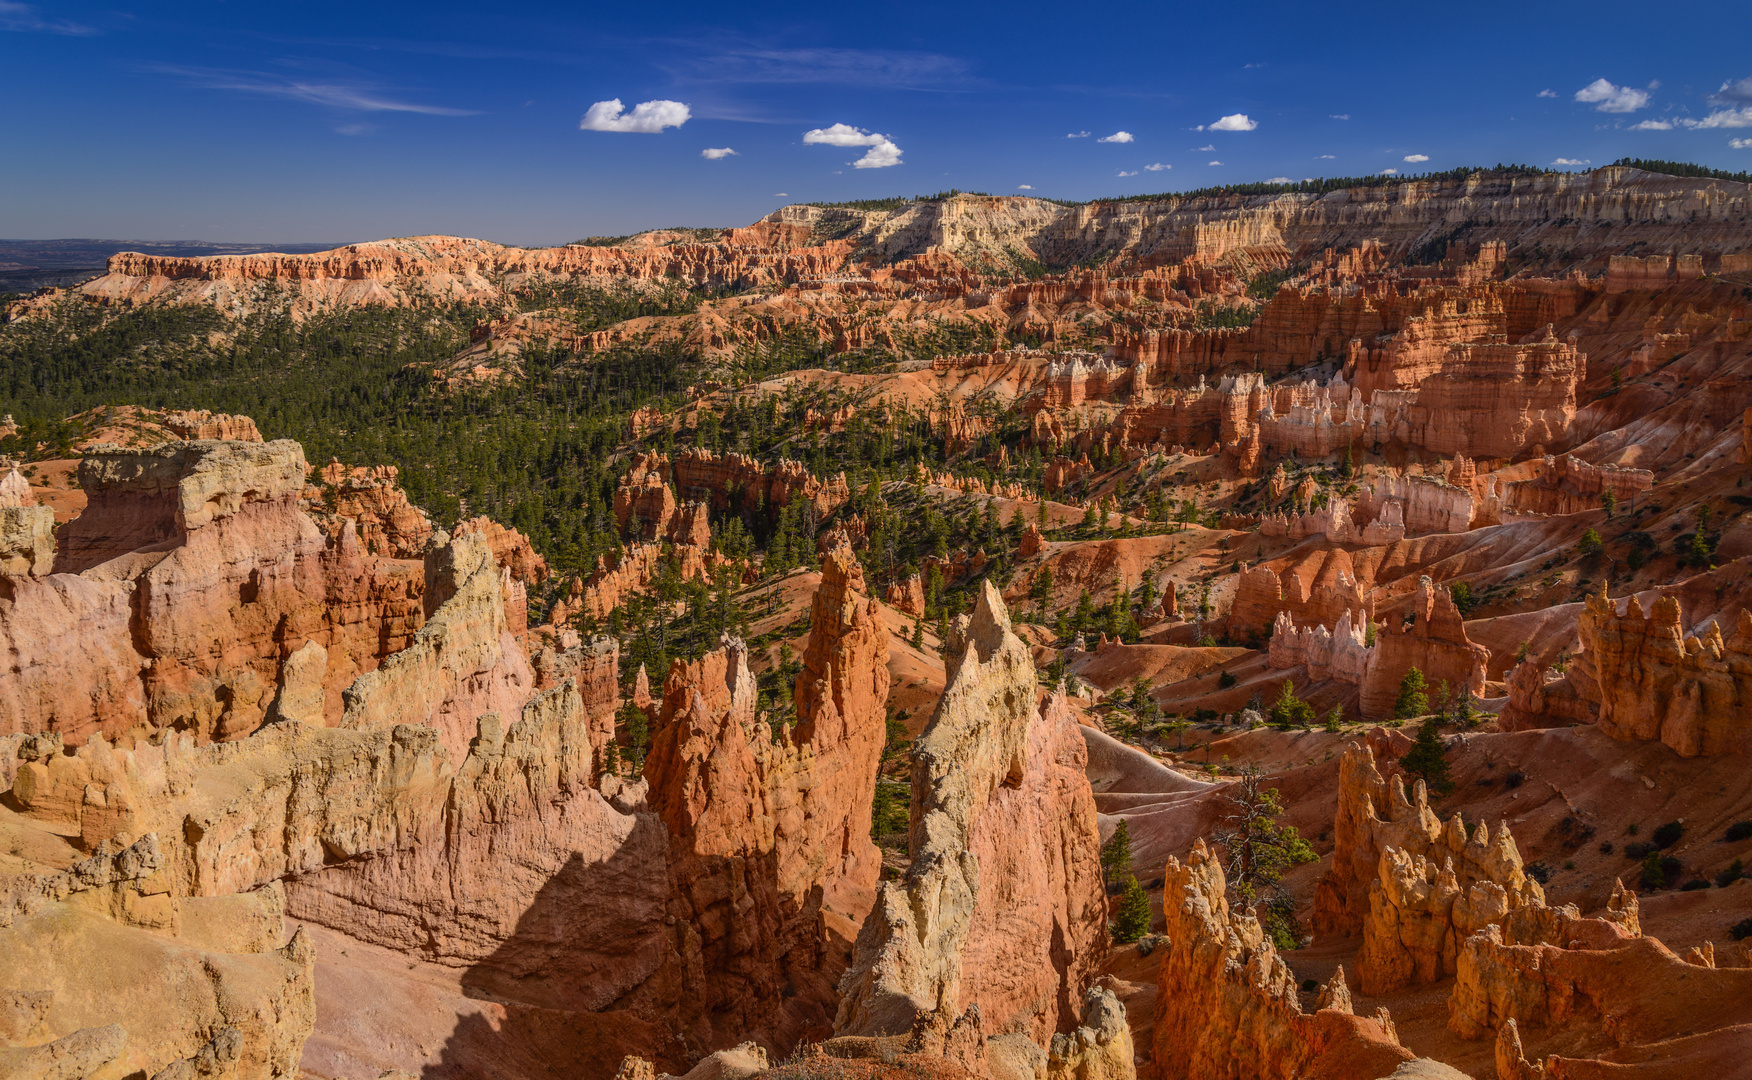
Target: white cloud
[(647, 117), (1024, 187), (1546, 93), (1205, 149), (1122, 172), (1157, 167), (1340, 116), (1740, 144), (1216, 163), (1733, 93), (1326, 157), (1572, 161), (1078, 135), (1118, 136), (1279, 180), (1389, 172), (781, 194), (1250, 66), (355, 129), (1415, 158), (1653, 125), (713, 153), (1725, 118), (882, 152), (1609, 98), (1235, 122)]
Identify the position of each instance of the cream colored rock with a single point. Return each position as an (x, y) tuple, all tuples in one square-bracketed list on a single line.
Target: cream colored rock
[(1002, 842)]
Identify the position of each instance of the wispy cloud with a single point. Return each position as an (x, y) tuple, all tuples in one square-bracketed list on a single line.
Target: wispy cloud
[(1546, 93), (1339, 116), (1740, 144), (1024, 187), (847, 67), (1652, 125), (1078, 135), (1608, 97), (1278, 180), (355, 96), (1214, 163), (882, 152), (1122, 172), (1204, 149), (1389, 172), (646, 118), (1416, 158), (1118, 136), (714, 153), (23, 18), (1326, 157), (1157, 167), (1572, 161)]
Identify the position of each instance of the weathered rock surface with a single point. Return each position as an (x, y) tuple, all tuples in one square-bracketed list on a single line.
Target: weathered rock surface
[(998, 922), (1227, 1008), (1436, 644), (1654, 681)]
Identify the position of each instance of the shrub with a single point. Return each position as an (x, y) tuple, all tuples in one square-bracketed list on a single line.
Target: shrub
[(1741, 930), (1693, 885), (1289, 710), (1514, 779), (1227, 679), (1606, 847), (1590, 543), (1335, 719), (1539, 872), (1735, 871), (1739, 830), (1652, 877), (1638, 849), (1668, 835), (1133, 920), (1310, 986)]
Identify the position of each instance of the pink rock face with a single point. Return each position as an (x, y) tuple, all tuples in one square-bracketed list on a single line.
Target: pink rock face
[(1654, 681)]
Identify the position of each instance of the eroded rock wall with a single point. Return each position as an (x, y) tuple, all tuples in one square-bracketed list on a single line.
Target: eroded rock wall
[(1000, 916)]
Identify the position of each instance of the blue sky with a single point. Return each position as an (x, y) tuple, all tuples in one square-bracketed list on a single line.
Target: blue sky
[(314, 120)]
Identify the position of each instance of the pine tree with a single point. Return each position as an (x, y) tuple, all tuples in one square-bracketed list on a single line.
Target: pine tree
[(1412, 701), (1133, 920), (1116, 857), (1428, 759)]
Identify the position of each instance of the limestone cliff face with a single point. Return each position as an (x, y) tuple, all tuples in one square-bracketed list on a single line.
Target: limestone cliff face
[(665, 497), (1000, 916), (1656, 682), (1227, 1007), (462, 663), (27, 531), (387, 523)]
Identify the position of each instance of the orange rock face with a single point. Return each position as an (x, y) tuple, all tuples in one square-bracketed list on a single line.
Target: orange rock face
[(1227, 1006), (1656, 682), (1435, 644), (768, 827), (386, 522)]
